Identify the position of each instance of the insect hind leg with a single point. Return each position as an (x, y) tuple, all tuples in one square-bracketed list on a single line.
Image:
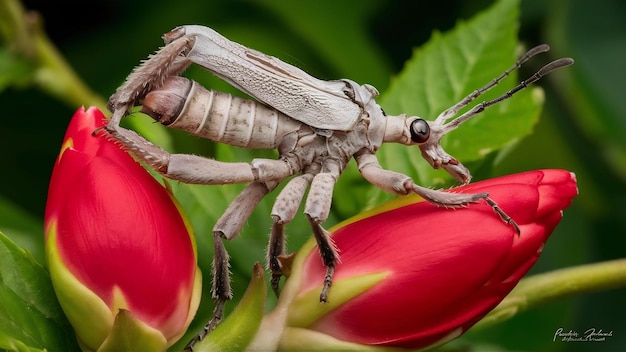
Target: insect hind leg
[(221, 291), (227, 227), (148, 76), (196, 169)]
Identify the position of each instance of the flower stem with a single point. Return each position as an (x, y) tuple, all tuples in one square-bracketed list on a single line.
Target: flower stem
[(27, 40), (542, 288)]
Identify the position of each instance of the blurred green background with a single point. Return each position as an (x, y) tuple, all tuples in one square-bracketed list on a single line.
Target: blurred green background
[(582, 128)]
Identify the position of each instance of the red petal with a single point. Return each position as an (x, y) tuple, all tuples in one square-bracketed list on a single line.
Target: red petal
[(118, 228), (448, 267), (429, 256), (78, 137)]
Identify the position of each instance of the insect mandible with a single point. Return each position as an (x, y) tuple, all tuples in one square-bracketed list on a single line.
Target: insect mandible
[(317, 127)]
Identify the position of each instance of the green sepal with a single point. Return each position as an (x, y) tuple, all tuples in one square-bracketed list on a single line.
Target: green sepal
[(30, 316), (90, 317), (306, 307), (131, 334), (299, 339), (237, 331)]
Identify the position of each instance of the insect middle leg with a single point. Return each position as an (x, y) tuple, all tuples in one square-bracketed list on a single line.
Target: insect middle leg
[(283, 211), (316, 209)]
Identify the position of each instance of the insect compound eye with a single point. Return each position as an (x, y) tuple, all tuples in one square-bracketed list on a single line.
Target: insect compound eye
[(420, 130)]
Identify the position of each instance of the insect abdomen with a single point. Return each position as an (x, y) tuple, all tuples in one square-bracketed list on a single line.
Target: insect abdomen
[(185, 104)]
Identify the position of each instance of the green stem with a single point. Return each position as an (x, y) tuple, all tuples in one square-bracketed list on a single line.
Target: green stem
[(13, 26), (542, 288), (27, 41), (52, 74), (56, 77)]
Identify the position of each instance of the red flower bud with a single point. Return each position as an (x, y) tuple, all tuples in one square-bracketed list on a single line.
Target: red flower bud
[(413, 275), (116, 240)]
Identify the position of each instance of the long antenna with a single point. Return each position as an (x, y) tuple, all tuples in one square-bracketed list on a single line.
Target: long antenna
[(448, 113), (523, 84)]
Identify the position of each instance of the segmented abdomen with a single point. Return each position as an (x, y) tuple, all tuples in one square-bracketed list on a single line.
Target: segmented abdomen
[(185, 104)]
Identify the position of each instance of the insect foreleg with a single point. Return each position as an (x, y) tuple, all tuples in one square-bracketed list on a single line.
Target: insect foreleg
[(398, 183), (395, 182)]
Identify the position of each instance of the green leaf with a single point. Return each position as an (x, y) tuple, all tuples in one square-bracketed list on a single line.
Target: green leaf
[(13, 71), (30, 316), (12, 344), (350, 49), (24, 229), (594, 96), (446, 69)]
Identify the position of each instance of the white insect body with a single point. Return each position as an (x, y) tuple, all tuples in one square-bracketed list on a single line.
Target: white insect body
[(184, 104), (317, 127)]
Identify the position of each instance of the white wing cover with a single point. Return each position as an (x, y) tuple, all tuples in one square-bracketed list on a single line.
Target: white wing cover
[(318, 103)]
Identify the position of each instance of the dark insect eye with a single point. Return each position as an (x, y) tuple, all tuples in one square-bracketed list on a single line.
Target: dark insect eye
[(420, 131)]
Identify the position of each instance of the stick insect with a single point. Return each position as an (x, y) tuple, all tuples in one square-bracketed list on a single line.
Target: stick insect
[(317, 127)]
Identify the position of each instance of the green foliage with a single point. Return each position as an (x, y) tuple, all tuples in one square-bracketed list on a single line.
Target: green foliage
[(30, 316), (237, 331), (13, 71), (581, 129), (443, 72)]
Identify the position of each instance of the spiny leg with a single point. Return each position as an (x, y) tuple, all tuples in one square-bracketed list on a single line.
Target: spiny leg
[(507, 219), (398, 183), (146, 77), (329, 254), (275, 249), (226, 228), (316, 209), (221, 290), (283, 211), (196, 169)]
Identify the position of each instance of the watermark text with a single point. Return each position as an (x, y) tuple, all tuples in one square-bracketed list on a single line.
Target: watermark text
[(589, 335)]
